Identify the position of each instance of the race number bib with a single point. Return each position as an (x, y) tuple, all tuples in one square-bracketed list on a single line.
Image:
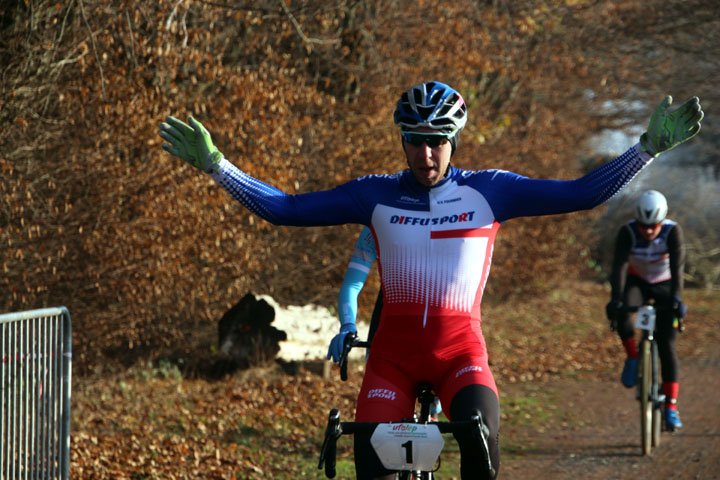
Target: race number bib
[(645, 318), (407, 446)]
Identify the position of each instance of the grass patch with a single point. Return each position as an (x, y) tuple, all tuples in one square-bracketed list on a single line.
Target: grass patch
[(531, 408)]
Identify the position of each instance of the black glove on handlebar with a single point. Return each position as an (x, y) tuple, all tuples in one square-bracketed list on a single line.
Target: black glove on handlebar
[(613, 309), (679, 308)]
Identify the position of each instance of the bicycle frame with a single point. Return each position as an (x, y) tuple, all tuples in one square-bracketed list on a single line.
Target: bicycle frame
[(647, 385)]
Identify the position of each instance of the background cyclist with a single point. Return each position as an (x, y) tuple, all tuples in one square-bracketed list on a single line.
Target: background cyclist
[(434, 226), (648, 264)]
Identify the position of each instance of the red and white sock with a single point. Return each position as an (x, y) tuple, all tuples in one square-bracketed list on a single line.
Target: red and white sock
[(671, 389)]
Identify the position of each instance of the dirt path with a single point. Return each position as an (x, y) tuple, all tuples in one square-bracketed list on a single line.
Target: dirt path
[(598, 434)]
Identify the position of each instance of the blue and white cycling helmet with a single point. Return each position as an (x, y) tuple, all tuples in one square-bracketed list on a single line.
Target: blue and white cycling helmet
[(651, 207), (434, 105)]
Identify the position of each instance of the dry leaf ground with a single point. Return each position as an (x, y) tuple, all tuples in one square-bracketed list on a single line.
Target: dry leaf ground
[(564, 411)]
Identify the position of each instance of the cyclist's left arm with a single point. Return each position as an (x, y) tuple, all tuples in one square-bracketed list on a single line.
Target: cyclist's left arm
[(676, 250), (667, 129), (513, 195)]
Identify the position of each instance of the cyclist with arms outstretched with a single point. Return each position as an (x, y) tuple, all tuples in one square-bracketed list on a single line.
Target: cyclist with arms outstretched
[(434, 226), (648, 265)]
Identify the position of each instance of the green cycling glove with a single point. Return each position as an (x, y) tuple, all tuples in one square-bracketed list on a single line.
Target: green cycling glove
[(192, 144), (668, 129)]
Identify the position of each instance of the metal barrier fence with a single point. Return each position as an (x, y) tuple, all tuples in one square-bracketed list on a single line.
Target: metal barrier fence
[(36, 352)]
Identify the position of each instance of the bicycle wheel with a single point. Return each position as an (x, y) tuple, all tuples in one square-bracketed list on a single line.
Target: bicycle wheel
[(656, 400), (646, 401)]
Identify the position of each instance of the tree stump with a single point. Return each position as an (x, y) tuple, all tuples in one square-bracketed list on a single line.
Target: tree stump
[(245, 333)]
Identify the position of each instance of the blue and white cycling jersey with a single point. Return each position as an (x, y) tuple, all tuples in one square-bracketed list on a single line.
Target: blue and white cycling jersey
[(434, 244)]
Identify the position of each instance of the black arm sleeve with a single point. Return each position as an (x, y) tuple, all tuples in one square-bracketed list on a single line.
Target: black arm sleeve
[(618, 273), (676, 249)]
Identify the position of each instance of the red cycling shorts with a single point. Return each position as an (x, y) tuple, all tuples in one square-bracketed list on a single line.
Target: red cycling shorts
[(399, 361)]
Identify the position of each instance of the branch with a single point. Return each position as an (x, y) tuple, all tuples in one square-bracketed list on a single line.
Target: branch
[(132, 39), (92, 40), (264, 11), (183, 25), (308, 41)]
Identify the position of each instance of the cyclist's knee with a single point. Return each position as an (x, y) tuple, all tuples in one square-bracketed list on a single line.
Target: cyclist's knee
[(625, 326), (475, 451), (472, 398)]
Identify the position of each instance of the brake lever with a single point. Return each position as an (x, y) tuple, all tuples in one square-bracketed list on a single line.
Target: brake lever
[(328, 452), (348, 343)]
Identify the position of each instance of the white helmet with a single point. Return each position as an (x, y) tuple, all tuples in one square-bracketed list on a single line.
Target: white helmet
[(651, 207)]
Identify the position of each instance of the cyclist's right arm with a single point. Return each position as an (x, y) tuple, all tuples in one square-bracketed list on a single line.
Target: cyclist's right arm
[(348, 203), (618, 271)]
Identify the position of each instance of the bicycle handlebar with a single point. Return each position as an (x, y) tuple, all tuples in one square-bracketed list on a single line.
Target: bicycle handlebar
[(634, 309), (335, 429)]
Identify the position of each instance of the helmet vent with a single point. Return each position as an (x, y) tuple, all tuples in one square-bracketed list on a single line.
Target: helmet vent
[(436, 97), (445, 109), (425, 111), (417, 94)]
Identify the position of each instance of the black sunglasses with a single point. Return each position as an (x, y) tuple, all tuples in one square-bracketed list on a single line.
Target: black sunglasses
[(432, 140)]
